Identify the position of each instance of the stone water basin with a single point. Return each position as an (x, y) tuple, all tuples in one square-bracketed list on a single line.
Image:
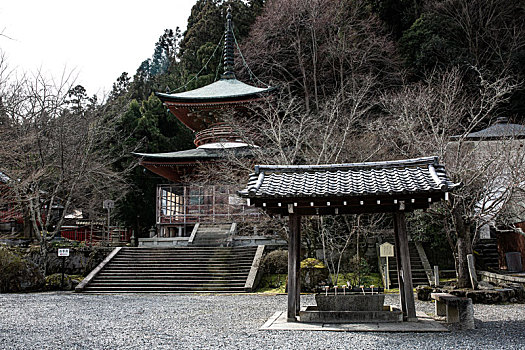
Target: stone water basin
[(350, 302), (350, 308)]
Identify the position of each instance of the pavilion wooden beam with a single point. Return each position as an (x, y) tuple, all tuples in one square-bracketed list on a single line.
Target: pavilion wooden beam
[(294, 286), (406, 289), (338, 207), (298, 266), (399, 269)]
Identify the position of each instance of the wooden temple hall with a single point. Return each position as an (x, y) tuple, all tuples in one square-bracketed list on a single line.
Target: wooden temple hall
[(183, 203), (395, 187)]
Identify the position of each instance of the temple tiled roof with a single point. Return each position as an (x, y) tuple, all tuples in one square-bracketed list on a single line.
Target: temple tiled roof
[(4, 178), (223, 89), (500, 130), (406, 177)]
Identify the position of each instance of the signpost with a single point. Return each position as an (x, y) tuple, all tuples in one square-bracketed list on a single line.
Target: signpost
[(63, 252), (386, 250), (108, 204)]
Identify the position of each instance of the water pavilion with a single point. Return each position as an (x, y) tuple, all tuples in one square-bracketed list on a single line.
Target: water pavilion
[(395, 187)]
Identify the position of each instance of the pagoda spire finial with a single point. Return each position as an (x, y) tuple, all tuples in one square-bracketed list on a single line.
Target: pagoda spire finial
[(228, 47)]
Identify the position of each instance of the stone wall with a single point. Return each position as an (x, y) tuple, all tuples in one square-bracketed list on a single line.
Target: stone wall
[(80, 261), (499, 279)]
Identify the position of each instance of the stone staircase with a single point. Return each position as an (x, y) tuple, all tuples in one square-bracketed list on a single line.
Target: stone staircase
[(419, 274), (486, 254), (212, 235), (174, 270)]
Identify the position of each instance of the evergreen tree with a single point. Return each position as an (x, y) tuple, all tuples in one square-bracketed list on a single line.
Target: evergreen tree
[(151, 129)]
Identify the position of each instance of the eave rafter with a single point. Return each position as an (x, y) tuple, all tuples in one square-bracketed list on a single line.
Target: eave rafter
[(347, 205)]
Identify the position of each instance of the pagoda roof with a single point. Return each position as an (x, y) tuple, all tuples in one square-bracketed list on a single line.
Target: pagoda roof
[(500, 130), (226, 89), (200, 153)]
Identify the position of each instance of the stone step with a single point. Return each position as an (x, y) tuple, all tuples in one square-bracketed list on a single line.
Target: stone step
[(168, 269), (187, 274), (195, 264), (196, 289), (172, 276), (174, 270), (189, 253), (184, 258), (200, 251), (159, 289), (157, 283), (190, 249), (419, 275), (221, 226), (181, 267)]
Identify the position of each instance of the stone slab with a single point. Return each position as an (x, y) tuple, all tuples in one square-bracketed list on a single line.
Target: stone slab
[(423, 324), (82, 285), (513, 260), (255, 272), (311, 314), (350, 302)]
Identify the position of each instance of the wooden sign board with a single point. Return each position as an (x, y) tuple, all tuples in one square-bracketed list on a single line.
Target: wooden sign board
[(63, 252), (386, 249)]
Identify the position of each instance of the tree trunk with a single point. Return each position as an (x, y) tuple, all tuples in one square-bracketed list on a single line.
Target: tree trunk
[(463, 248), (43, 254)]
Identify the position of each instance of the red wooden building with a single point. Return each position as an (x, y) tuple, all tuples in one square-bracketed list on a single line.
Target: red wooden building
[(11, 216)]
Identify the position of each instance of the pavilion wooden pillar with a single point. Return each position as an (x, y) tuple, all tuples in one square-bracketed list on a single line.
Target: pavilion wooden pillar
[(294, 266), (404, 270)]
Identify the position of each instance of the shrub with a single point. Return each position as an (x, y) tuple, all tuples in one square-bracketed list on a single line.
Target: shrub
[(18, 274), (312, 263), (276, 262)]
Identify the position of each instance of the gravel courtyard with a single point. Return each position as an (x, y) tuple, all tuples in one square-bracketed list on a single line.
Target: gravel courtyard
[(73, 321)]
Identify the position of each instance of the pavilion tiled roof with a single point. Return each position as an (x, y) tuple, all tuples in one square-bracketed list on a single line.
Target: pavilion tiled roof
[(502, 129), (406, 177)]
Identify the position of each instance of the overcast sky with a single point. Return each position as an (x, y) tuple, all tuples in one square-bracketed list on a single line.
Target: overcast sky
[(97, 39)]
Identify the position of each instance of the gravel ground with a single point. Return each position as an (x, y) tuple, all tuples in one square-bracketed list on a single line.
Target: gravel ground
[(73, 321)]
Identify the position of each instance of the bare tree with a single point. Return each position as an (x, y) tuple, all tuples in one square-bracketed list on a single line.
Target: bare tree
[(58, 158), (422, 119), (491, 31), (314, 47)]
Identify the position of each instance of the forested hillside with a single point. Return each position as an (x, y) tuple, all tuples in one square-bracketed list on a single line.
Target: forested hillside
[(358, 80), (345, 69)]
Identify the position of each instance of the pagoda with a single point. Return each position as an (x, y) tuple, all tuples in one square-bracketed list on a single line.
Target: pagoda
[(182, 204)]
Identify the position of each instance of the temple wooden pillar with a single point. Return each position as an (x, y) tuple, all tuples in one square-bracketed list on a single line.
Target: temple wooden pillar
[(404, 270), (399, 269), (294, 266)]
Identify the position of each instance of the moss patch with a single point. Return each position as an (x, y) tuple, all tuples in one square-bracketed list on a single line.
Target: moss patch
[(53, 282), (273, 283)]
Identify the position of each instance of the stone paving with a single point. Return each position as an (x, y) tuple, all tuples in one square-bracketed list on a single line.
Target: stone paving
[(142, 321)]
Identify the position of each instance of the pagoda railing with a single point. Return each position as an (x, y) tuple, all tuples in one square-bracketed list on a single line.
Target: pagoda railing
[(219, 132), (179, 204)]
